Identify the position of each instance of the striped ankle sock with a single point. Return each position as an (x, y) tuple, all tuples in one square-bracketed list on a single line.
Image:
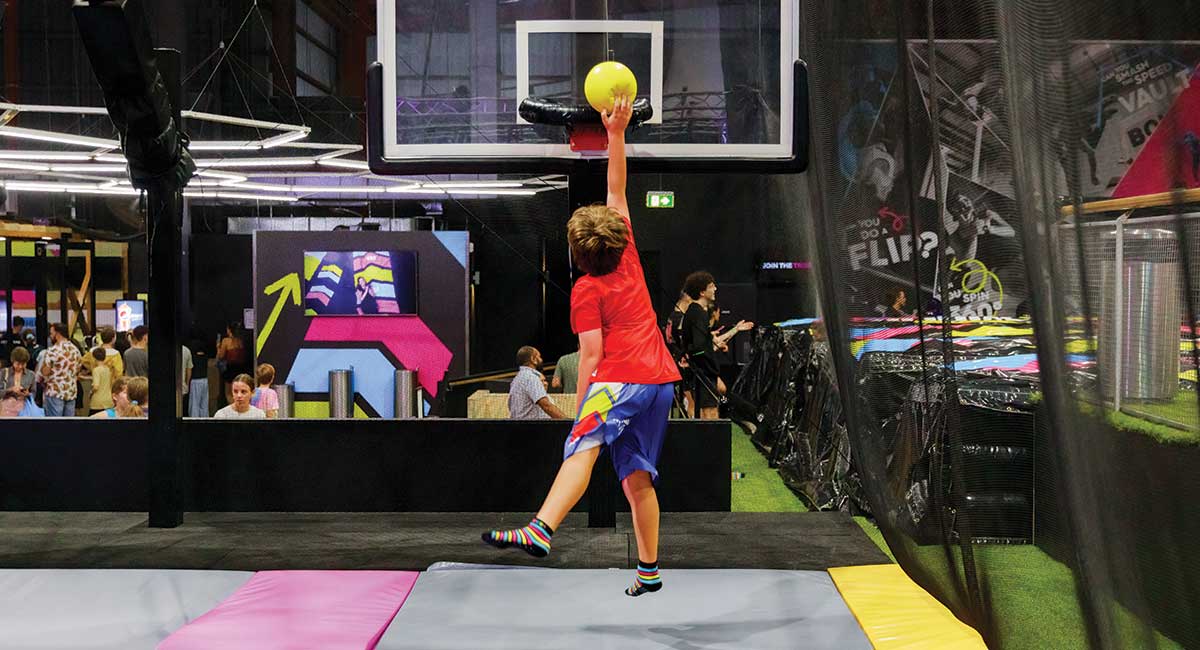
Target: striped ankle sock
[(647, 580), (534, 539)]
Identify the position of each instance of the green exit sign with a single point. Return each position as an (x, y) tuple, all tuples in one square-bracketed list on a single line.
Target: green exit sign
[(660, 199)]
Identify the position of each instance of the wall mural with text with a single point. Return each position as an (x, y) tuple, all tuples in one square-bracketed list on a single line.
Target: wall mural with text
[(1138, 106)]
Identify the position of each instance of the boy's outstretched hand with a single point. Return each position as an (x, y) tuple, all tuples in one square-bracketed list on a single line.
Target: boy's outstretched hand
[(618, 120)]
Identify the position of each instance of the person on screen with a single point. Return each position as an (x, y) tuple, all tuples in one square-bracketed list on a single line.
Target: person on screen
[(265, 397), (240, 407), (364, 296), (626, 375)]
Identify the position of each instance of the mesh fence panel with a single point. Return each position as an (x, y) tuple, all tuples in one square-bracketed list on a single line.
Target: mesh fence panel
[(1010, 284)]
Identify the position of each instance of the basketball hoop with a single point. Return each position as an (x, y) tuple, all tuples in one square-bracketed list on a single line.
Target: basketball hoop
[(588, 137)]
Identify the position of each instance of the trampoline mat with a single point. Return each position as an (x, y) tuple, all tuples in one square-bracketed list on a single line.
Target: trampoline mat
[(587, 609), (61, 609)]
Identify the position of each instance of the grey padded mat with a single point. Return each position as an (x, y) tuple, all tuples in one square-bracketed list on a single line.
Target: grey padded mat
[(696, 609), (105, 609)]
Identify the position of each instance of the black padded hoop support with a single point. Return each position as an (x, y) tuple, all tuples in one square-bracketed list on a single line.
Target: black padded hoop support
[(796, 164), (540, 110)]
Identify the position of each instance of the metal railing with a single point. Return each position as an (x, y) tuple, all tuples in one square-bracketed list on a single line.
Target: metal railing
[(1131, 270)]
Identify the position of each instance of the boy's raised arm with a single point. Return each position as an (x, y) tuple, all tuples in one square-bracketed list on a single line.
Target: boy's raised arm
[(616, 123)]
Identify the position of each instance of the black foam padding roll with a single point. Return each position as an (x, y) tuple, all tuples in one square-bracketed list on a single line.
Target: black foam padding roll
[(548, 111)]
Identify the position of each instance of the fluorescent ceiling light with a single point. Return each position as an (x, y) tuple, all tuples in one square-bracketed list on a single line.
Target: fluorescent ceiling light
[(24, 166), (255, 197), (60, 138), (95, 168), (212, 173), (223, 145), (345, 164), (454, 185), (284, 138), (250, 145), (237, 195), (43, 155), (255, 162), (66, 188), (43, 108), (320, 189), (459, 192)]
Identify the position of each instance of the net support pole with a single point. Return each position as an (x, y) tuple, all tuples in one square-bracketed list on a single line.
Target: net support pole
[(1118, 308), (164, 217)]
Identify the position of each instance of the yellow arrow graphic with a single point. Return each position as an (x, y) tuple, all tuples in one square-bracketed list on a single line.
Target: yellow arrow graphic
[(977, 269), (288, 285)]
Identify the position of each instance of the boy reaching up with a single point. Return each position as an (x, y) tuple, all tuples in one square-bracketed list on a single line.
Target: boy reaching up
[(626, 374)]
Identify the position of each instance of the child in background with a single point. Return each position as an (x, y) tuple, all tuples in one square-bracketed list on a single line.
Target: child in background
[(265, 398), (138, 391), (102, 378)]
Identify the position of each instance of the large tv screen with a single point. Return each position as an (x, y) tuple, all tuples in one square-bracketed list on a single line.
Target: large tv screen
[(130, 314), (360, 283)]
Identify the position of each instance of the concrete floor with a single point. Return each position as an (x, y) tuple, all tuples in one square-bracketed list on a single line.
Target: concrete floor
[(413, 541)]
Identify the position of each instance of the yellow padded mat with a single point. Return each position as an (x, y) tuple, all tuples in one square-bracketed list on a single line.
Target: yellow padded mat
[(897, 614)]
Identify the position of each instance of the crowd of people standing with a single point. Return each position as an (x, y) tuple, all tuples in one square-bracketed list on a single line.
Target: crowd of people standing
[(105, 374)]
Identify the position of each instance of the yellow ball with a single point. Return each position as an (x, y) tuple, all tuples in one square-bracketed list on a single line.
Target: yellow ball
[(605, 82)]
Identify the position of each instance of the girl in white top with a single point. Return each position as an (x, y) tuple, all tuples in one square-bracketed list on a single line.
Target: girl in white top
[(242, 388)]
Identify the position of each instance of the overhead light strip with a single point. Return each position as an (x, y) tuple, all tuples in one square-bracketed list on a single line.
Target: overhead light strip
[(344, 164), (59, 138)]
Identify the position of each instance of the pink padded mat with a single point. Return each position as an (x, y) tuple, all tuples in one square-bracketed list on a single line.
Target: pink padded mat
[(293, 610)]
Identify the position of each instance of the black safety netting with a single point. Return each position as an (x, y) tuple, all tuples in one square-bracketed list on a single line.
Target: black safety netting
[(1007, 226), (786, 398)]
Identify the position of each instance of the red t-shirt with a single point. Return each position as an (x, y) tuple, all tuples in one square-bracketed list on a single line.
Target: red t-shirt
[(619, 305)]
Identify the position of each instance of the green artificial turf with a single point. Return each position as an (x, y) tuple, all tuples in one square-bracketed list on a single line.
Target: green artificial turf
[(1182, 409), (1034, 602), (875, 534), (760, 489), (1031, 595)]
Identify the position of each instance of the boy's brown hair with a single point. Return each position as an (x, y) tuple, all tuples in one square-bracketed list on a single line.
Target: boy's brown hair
[(598, 236), (265, 374)]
